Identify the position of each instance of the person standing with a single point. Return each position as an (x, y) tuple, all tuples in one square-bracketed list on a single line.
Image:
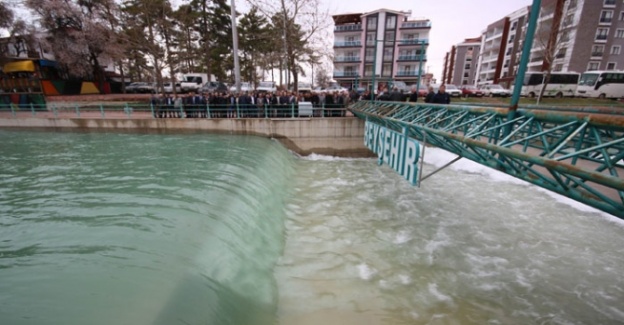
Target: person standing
[(442, 97), (430, 94), (413, 97)]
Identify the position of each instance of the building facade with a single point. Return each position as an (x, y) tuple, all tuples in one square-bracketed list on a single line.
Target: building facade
[(375, 49), (571, 36), (460, 64)]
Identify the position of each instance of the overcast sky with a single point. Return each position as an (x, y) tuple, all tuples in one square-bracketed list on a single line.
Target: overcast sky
[(452, 21)]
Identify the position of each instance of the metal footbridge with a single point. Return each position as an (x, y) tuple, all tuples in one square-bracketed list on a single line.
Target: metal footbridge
[(578, 153)]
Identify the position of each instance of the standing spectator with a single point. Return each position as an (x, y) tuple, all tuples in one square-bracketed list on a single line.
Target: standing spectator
[(413, 98), (442, 97), (430, 94)]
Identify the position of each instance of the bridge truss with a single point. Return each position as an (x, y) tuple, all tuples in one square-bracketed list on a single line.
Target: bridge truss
[(578, 153)]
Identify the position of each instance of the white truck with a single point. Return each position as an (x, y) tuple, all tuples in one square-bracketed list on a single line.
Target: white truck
[(192, 82)]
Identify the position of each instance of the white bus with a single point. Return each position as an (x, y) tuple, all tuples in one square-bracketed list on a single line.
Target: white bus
[(561, 84), (601, 84)]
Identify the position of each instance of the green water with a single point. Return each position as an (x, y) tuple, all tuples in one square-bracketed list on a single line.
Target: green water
[(102, 228)]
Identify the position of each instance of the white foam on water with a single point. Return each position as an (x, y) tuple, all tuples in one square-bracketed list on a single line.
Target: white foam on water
[(365, 272), (439, 157), (433, 290), (318, 157), (402, 237)]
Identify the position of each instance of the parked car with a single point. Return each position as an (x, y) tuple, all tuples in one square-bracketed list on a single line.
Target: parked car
[(140, 87), (450, 89), (214, 86), (495, 90), (401, 86), (266, 86), (244, 86), (471, 91), (168, 88)]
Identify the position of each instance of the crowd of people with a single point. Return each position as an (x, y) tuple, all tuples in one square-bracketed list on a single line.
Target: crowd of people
[(433, 97), (277, 104), (250, 104)]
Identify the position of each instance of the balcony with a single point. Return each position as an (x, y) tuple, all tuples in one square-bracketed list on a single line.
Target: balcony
[(597, 54), (407, 73), (348, 28), (345, 74), (601, 37), (370, 58), (411, 58), (347, 59), (419, 24), (348, 44), (416, 41)]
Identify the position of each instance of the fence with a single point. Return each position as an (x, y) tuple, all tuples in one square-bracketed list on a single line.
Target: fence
[(142, 110)]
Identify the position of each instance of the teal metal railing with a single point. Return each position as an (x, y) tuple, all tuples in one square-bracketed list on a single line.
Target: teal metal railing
[(572, 152), (143, 110)]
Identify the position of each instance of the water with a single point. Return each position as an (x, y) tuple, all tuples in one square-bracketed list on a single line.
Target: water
[(206, 229)]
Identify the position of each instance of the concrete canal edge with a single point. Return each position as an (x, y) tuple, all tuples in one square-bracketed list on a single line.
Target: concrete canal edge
[(340, 137)]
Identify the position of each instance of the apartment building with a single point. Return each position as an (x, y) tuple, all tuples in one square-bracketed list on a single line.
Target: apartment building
[(460, 64), (571, 36), (379, 47)]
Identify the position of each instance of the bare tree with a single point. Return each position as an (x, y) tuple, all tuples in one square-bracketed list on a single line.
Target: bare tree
[(301, 23), (551, 38)]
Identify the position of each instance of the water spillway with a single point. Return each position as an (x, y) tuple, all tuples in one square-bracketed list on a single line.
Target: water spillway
[(213, 229)]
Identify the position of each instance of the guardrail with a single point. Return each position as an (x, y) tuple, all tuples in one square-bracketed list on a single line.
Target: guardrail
[(148, 111)]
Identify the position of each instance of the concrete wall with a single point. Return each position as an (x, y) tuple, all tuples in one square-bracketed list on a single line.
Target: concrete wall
[(343, 137)]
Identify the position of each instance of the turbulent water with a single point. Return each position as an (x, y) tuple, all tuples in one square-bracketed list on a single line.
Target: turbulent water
[(104, 228)]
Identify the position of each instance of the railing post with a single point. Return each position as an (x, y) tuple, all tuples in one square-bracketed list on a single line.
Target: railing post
[(292, 110), (32, 108), (77, 110), (127, 108), (152, 109), (266, 109), (207, 110), (102, 110), (237, 110), (55, 111), (12, 109), (322, 109)]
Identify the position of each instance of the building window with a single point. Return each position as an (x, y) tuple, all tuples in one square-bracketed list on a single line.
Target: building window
[(558, 67), (619, 33), (571, 4), (601, 34), (370, 39), (368, 70), (370, 55), (597, 50), (611, 66), (593, 66), (514, 25), (387, 70), (371, 23), (467, 66), (511, 38), (389, 38), (621, 15), (615, 50), (391, 22), (466, 75), (606, 16), (387, 54), (609, 2)]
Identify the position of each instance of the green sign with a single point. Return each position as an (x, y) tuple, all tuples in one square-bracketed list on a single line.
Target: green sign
[(397, 150)]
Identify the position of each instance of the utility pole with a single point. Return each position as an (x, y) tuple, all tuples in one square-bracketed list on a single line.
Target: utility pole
[(237, 80)]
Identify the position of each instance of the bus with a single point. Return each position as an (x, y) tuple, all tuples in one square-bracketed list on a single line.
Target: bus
[(561, 84), (601, 84)]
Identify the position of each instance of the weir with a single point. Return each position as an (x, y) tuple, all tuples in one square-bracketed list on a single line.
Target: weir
[(574, 152)]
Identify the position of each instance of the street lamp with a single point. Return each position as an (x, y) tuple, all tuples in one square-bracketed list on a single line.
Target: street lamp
[(422, 53)]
